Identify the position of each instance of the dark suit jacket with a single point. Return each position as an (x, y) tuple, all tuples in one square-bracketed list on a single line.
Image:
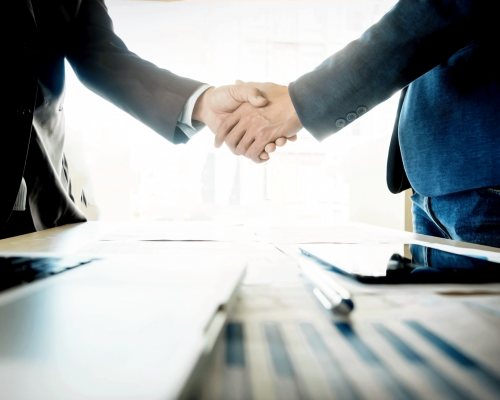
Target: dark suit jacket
[(38, 35), (443, 53)]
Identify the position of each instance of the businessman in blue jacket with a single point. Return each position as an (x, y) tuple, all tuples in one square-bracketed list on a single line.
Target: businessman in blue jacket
[(442, 55)]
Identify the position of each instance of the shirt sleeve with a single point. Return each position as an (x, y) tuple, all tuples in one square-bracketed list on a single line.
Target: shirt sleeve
[(185, 121)]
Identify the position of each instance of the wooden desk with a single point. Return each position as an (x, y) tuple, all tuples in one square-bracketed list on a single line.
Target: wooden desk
[(64, 239), (431, 341), (73, 237)]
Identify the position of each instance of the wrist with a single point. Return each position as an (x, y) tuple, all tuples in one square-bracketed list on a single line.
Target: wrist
[(293, 118), (201, 107)]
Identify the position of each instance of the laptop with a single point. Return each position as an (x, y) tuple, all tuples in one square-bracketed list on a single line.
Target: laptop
[(75, 327)]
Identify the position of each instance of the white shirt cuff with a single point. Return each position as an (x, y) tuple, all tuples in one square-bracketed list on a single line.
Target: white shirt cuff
[(185, 121)]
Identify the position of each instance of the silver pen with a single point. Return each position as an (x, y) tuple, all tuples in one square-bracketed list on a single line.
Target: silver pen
[(329, 293)]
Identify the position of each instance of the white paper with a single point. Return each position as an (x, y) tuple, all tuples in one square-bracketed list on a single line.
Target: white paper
[(328, 234), (289, 308), (266, 265), (182, 231)]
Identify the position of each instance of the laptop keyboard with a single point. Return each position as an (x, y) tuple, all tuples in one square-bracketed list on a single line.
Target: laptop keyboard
[(15, 271)]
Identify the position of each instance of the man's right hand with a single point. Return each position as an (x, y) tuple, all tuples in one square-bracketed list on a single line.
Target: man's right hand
[(253, 131), (216, 105)]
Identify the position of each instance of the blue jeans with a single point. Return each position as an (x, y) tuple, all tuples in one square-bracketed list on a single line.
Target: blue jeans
[(471, 216)]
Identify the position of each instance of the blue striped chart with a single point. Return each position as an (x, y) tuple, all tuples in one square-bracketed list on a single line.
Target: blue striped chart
[(394, 388), (340, 383), (236, 379), (448, 389), (457, 356), (286, 382)]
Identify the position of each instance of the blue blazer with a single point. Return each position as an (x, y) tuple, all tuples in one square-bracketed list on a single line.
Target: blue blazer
[(442, 54)]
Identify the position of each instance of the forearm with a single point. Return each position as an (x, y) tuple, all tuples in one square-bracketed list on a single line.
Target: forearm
[(103, 63), (413, 38)]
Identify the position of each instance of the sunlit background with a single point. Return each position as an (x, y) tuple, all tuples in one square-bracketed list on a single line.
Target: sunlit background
[(129, 172)]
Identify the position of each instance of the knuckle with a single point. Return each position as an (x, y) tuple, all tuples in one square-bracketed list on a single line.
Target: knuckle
[(231, 140), (251, 154), (268, 135), (223, 124), (246, 119), (231, 146), (241, 150)]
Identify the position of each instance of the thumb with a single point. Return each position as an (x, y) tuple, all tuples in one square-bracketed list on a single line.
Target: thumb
[(243, 93)]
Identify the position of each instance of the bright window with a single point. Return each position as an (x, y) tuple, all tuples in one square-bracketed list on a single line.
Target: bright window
[(130, 172)]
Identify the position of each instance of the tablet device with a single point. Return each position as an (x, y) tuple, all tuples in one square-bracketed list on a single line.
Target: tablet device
[(398, 263)]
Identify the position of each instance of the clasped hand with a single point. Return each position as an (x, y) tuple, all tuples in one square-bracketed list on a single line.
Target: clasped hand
[(251, 118)]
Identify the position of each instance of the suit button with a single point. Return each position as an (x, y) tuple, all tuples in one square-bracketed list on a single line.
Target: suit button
[(340, 123), (24, 111), (29, 47), (361, 110), (351, 116)]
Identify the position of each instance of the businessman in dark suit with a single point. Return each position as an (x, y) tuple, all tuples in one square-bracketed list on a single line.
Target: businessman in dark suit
[(38, 35), (443, 55)]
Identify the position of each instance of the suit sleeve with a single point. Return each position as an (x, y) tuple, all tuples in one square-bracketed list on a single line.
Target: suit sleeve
[(103, 64), (411, 39)]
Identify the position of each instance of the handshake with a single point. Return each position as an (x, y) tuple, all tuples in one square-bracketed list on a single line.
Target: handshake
[(251, 118)]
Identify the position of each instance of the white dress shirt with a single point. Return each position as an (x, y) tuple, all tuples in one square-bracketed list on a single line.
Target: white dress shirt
[(184, 122)]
